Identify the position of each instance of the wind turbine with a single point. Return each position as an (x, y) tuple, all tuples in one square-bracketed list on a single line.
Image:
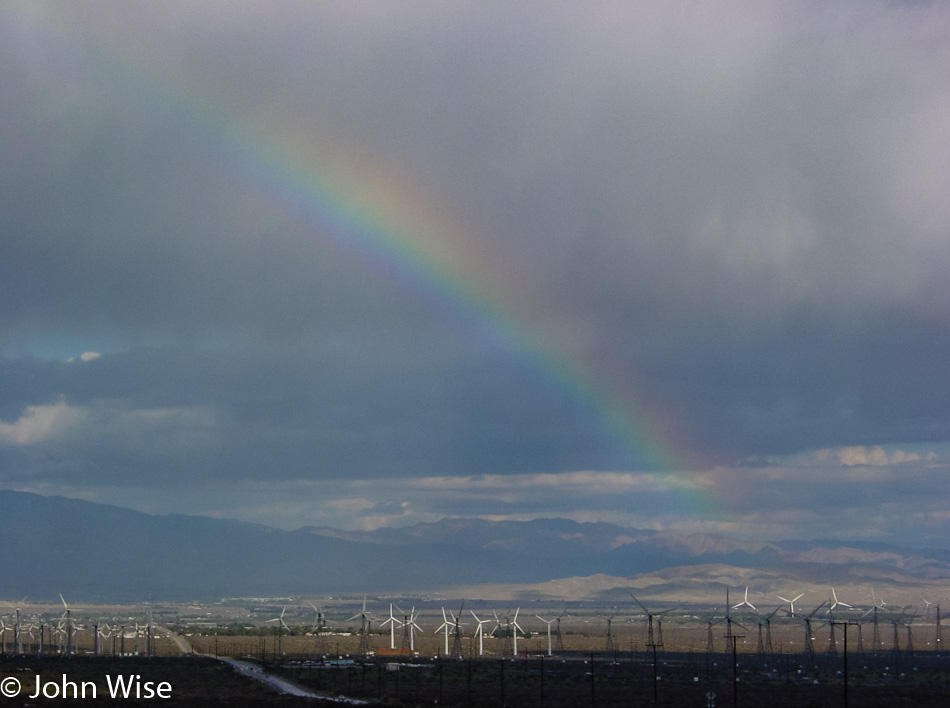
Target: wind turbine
[(392, 627), (791, 603), (515, 629), (457, 641), (67, 616), (409, 630), (650, 615), (319, 629), (836, 603), (609, 646), (808, 638), (17, 649), (28, 631), (548, 623), (910, 636), (104, 631), (745, 602), (938, 636), (766, 646), (511, 629), (710, 620), (446, 626), (281, 625), (365, 619), (480, 633)]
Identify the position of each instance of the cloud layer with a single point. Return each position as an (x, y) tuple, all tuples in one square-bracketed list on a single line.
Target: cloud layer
[(724, 224)]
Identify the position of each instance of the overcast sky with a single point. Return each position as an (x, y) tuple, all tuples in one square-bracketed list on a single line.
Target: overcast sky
[(671, 265)]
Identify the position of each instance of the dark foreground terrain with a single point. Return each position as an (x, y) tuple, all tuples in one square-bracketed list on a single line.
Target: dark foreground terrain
[(620, 679), (194, 681)]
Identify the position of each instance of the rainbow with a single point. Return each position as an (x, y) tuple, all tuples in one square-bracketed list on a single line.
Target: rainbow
[(383, 215)]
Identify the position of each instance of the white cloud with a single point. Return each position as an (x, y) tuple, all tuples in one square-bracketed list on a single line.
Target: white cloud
[(85, 356), (874, 456), (110, 424), (41, 423), (859, 455), (853, 456)]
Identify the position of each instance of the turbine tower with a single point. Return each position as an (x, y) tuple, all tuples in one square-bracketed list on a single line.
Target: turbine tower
[(651, 641), (281, 625), (511, 631), (609, 646), (366, 621), (409, 630), (938, 636), (809, 648), (453, 622), (446, 625), (480, 633), (515, 628), (457, 633), (548, 623), (17, 649), (319, 630), (765, 646), (69, 627), (392, 627)]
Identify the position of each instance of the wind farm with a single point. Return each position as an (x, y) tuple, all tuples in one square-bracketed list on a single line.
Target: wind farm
[(796, 656)]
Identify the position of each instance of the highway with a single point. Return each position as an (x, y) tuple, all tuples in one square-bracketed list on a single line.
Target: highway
[(255, 672)]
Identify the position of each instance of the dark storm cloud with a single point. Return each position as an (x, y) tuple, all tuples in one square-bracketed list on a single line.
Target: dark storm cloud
[(735, 214)]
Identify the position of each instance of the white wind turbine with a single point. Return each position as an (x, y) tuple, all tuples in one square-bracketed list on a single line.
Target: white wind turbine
[(791, 603), (745, 602), (446, 625), (392, 627), (480, 633), (409, 630), (548, 623), (69, 626), (515, 628), (836, 603), (17, 648), (105, 632), (31, 641)]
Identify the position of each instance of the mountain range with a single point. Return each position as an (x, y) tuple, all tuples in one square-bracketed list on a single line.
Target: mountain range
[(101, 553)]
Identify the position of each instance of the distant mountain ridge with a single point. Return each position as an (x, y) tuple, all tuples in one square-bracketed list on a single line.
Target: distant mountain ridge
[(615, 545), (98, 553)]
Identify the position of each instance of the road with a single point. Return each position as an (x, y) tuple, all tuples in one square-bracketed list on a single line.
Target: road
[(254, 671)]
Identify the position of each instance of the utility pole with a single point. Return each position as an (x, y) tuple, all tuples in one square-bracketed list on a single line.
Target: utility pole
[(845, 625), (730, 637), (654, 645)]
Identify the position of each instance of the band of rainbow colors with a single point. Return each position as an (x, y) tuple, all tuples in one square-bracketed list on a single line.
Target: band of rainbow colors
[(382, 214)]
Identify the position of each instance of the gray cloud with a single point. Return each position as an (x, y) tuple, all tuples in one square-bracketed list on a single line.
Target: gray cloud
[(731, 216)]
